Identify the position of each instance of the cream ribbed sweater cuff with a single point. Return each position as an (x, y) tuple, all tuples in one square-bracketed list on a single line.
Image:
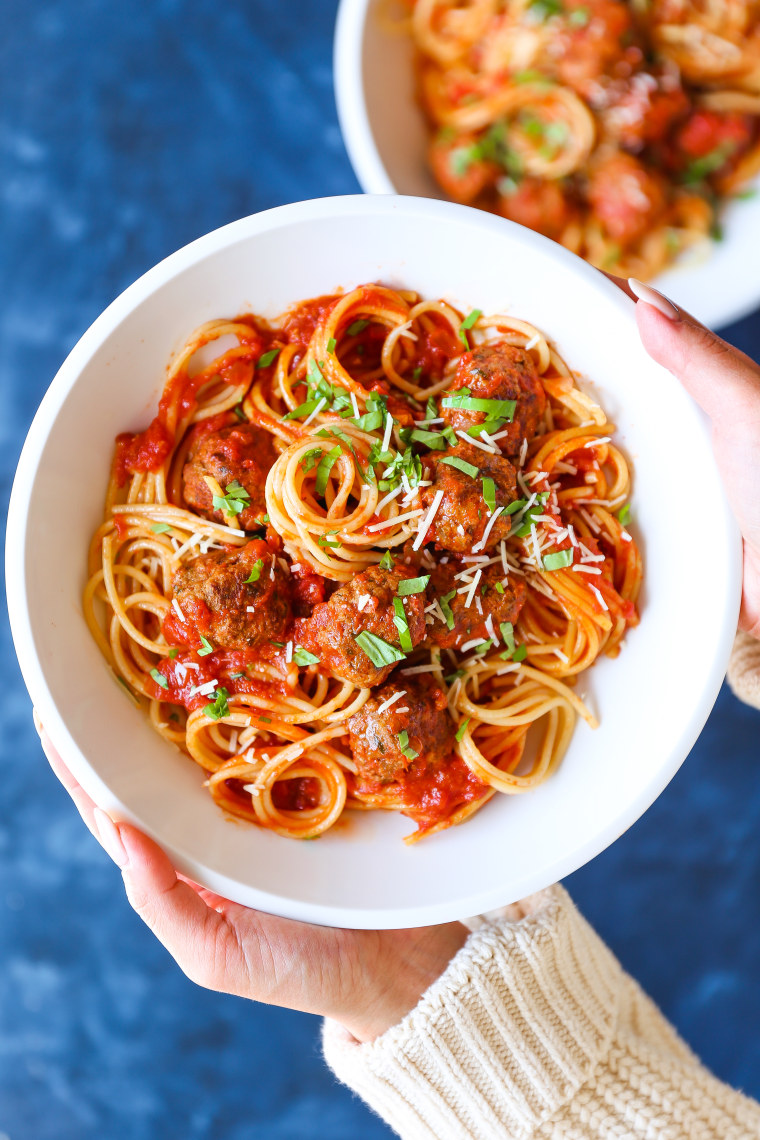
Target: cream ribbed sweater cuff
[(744, 669), (509, 1033)]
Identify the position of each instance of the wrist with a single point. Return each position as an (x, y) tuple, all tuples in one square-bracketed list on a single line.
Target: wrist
[(410, 962)]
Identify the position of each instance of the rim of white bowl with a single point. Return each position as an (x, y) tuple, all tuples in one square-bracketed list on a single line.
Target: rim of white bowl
[(33, 672), (372, 176)]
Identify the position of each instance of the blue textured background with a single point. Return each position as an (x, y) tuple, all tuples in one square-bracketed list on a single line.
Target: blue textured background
[(126, 131)]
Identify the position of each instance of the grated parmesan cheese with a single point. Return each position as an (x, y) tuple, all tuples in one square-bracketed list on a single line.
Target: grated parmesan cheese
[(391, 700), (427, 520)]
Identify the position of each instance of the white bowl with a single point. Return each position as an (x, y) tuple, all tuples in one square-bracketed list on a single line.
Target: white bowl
[(652, 701), (386, 138)]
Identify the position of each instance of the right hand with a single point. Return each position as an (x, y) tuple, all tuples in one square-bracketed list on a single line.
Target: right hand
[(726, 385)]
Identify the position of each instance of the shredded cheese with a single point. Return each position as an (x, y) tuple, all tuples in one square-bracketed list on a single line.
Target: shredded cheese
[(427, 520)]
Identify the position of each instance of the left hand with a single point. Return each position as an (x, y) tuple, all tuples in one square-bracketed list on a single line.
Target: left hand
[(365, 979)]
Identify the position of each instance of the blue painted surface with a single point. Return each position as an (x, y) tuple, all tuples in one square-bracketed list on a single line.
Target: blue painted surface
[(126, 131)]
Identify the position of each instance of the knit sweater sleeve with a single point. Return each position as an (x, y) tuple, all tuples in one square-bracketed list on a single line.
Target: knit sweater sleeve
[(535, 1031)]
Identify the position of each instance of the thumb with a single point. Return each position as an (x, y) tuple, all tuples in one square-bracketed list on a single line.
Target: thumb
[(724, 381)]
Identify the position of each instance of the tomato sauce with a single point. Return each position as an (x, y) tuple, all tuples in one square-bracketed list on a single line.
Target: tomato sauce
[(434, 794), (299, 794)]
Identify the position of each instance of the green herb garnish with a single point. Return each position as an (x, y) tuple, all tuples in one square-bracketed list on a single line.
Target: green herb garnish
[(489, 493), (406, 749), (268, 357), (161, 528), (461, 465), (159, 678), (467, 324), (255, 573), (461, 730), (357, 327), (234, 501), (379, 651), (326, 465), (207, 647), (558, 560), (219, 707), (386, 562), (302, 657), (446, 608), (402, 625), (412, 585), (624, 514)]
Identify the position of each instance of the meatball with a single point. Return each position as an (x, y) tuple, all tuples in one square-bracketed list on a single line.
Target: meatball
[(420, 711), (241, 453), (499, 372), (463, 514), (469, 622), (626, 197), (363, 605), (540, 205), (218, 600), (590, 45), (459, 170)]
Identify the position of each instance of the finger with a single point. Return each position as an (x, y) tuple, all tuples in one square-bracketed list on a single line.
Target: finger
[(82, 801), (723, 381), (174, 909)]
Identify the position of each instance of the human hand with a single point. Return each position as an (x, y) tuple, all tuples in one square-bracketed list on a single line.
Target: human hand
[(726, 385), (365, 979)]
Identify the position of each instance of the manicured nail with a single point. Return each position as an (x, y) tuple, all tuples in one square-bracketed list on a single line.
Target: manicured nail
[(651, 297), (109, 836), (37, 721)]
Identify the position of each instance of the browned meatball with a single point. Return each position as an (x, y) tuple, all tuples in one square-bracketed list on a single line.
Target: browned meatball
[(499, 372), (218, 601), (462, 517), (626, 196), (469, 622), (365, 604), (241, 453), (420, 712)]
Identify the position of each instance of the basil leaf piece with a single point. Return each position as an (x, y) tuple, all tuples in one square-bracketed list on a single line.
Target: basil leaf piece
[(207, 647), (461, 730), (255, 573), (412, 585), (219, 707), (461, 465), (446, 608), (558, 560), (467, 324), (302, 657), (379, 651), (326, 465), (268, 357), (402, 625), (159, 678)]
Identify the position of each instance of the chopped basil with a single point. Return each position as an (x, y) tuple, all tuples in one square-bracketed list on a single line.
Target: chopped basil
[(325, 540), (558, 560), (527, 520), (303, 657), (461, 465), (173, 653), (402, 625), (265, 719), (406, 749), (520, 653), (489, 493), (467, 324), (461, 730), (579, 17), (304, 409), (207, 647), (268, 358), (161, 528), (498, 587), (450, 677), (255, 573), (238, 410), (539, 11), (379, 651), (325, 467), (496, 409), (532, 77), (708, 164), (624, 514), (310, 459), (219, 707), (431, 409), (435, 440), (331, 344), (386, 562), (357, 327), (412, 585), (446, 608), (234, 501), (159, 678)]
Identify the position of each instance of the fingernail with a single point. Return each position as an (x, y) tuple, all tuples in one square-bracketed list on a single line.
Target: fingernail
[(37, 722), (109, 836), (651, 297)]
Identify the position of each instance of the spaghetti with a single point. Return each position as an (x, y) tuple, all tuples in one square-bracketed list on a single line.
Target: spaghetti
[(359, 558), (615, 128)]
